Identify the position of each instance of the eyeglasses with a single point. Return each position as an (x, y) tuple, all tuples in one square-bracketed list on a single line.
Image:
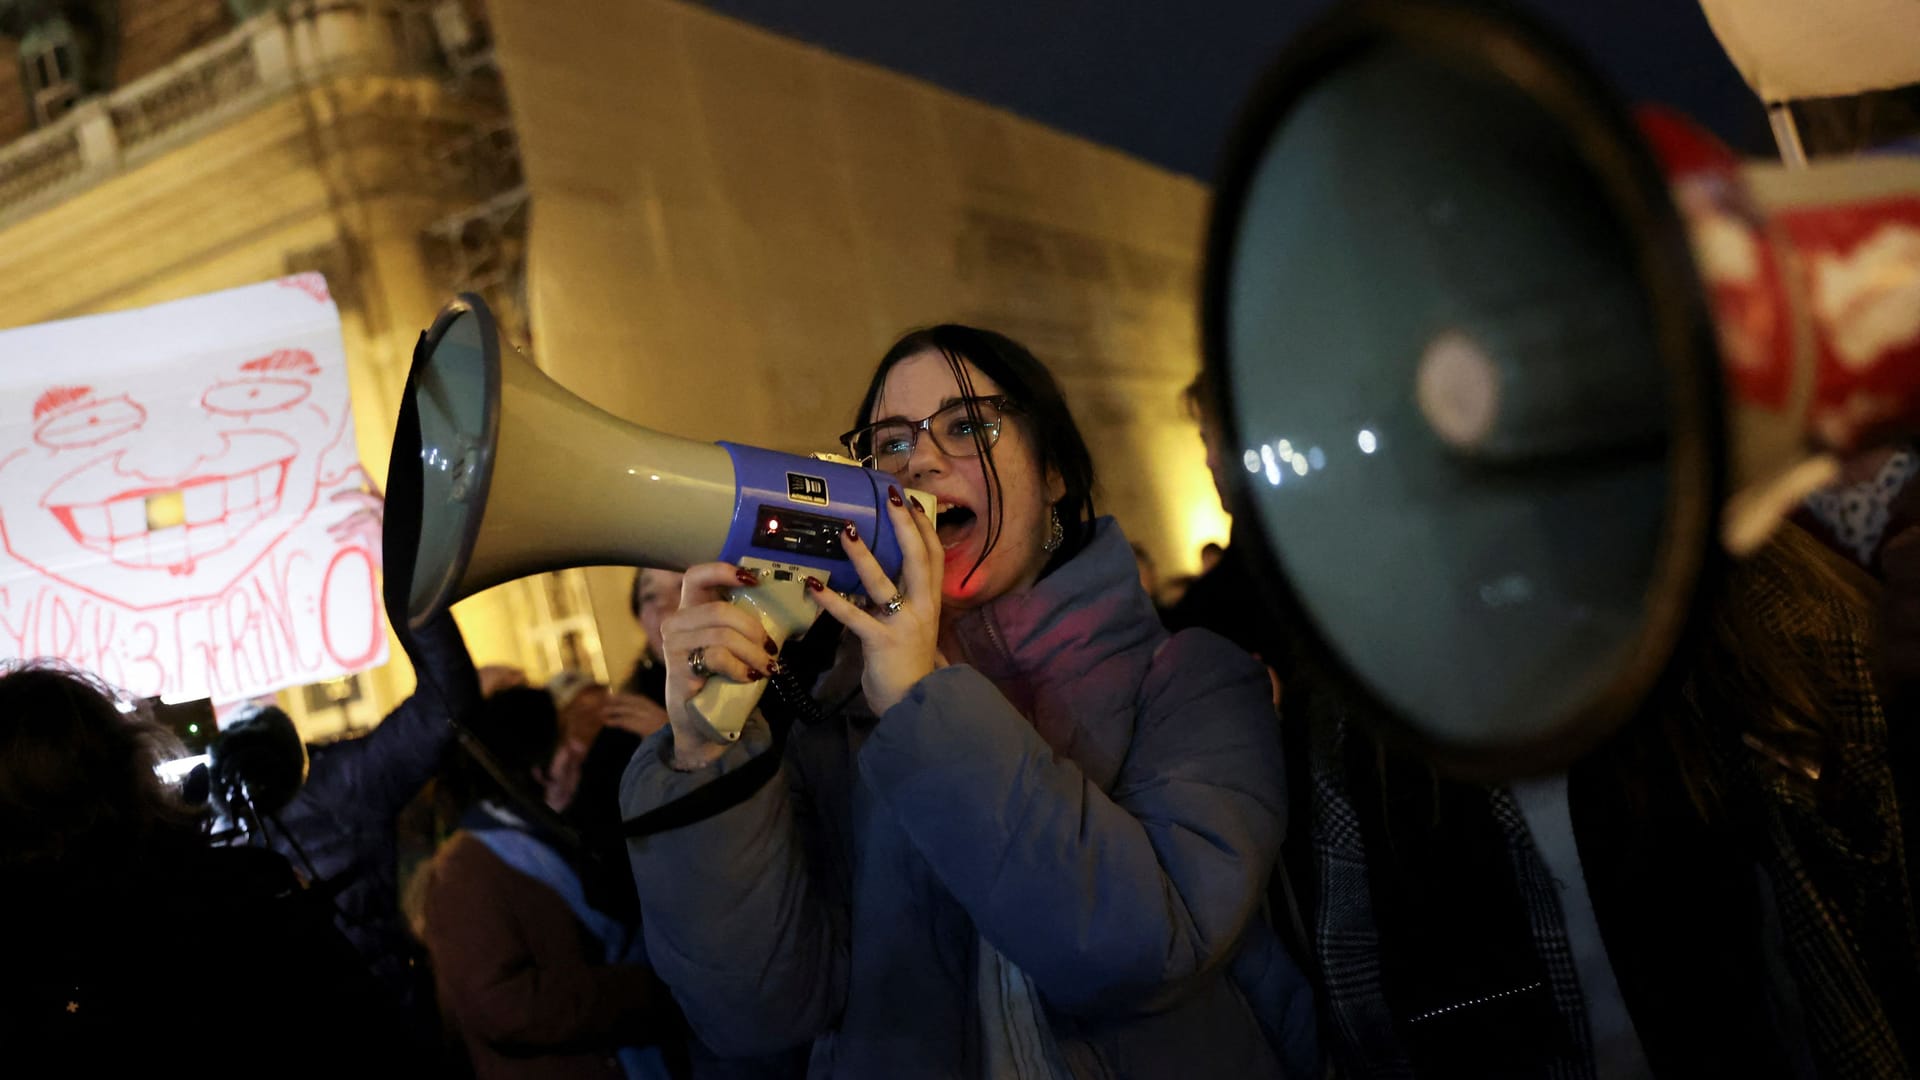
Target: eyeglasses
[(959, 430)]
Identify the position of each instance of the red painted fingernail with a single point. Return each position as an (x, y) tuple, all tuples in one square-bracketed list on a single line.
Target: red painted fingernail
[(757, 674), (893, 496), (815, 584), (748, 577), (771, 648), (852, 533), (917, 508)]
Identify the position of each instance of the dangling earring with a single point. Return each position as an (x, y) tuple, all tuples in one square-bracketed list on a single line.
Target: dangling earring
[(1057, 535)]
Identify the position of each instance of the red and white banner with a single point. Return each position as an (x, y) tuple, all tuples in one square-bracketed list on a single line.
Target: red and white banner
[(168, 477)]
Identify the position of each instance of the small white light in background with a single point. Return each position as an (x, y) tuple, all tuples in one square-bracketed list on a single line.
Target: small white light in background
[(1317, 458), (1300, 465), (176, 770), (1367, 442), (1251, 460), (1286, 450), (1273, 467), (653, 476)]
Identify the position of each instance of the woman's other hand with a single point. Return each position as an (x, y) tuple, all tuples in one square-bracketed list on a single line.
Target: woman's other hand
[(900, 648)]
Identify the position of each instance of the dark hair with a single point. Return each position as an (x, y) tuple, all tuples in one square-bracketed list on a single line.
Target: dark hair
[(77, 778), (1032, 394), (518, 727)]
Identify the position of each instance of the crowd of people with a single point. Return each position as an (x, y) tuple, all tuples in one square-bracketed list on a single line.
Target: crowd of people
[(1026, 822)]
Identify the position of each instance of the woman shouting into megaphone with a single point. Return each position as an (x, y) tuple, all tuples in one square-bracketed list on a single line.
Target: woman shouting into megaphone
[(1035, 839)]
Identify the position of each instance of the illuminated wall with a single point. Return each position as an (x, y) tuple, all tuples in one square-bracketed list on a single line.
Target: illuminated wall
[(730, 227)]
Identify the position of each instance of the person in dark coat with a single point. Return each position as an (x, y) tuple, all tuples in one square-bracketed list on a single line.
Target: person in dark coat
[(338, 827), (1721, 888), (128, 939)]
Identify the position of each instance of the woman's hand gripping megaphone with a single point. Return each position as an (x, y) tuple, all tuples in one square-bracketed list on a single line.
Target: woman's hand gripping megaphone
[(734, 617)]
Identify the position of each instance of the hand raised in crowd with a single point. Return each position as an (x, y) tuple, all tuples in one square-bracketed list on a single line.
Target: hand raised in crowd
[(640, 715), (365, 518), (899, 639)]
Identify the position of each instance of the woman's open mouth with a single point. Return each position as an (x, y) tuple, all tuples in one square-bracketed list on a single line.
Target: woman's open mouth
[(954, 524)]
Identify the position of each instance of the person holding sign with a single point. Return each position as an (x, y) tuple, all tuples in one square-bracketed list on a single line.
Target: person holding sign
[(1030, 834)]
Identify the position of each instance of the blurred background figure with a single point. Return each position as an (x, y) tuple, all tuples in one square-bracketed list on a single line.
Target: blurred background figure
[(656, 595), (1210, 555), (1225, 598), (621, 720), (580, 703), (534, 971), (127, 933)]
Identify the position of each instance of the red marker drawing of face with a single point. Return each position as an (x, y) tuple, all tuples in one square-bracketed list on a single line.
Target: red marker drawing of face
[(160, 495)]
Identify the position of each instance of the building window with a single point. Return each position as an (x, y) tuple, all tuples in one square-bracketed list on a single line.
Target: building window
[(50, 68)]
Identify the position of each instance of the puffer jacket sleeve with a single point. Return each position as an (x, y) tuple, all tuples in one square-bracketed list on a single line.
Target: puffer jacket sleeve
[(733, 924), (1111, 903)]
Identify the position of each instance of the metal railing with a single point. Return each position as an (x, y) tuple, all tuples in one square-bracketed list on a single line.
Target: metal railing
[(228, 70)]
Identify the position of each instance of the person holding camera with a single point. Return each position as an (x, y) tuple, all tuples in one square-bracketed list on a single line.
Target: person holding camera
[(1029, 834), (127, 934)]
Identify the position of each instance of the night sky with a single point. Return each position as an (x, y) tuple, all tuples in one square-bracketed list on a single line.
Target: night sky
[(1162, 79)]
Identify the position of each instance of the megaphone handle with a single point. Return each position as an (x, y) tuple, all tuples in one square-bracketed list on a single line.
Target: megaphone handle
[(722, 706)]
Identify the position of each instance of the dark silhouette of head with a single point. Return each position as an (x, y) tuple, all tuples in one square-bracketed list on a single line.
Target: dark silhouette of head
[(77, 780)]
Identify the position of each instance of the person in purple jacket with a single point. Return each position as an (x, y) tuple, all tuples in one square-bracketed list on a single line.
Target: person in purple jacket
[(1029, 833)]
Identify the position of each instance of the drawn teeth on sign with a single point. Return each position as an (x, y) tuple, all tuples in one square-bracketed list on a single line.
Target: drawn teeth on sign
[(205, 502), (90, 522), (167, 546), (242, 490), (126, 517)]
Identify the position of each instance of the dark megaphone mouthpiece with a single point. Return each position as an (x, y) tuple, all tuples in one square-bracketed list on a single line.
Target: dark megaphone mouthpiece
[(1491, 350)]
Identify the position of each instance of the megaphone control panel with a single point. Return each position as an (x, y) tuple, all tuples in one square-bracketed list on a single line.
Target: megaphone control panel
[(798, 532)]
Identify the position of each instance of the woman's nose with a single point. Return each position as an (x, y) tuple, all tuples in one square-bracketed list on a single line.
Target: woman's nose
[(926, 458)]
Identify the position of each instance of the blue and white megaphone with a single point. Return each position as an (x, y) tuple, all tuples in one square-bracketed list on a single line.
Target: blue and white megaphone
[(498, 472)]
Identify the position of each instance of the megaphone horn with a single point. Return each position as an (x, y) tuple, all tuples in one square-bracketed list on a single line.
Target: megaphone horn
[(498, 472)]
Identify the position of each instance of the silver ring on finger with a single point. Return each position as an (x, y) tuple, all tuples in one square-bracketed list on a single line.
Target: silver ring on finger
[(893, 606), (697, 663)]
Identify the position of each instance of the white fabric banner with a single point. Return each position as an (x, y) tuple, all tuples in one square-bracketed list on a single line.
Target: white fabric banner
[(170, 483)]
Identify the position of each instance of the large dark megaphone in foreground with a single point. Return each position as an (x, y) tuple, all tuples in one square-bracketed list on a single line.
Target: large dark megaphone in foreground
[(1502, 362), (498, 472)]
